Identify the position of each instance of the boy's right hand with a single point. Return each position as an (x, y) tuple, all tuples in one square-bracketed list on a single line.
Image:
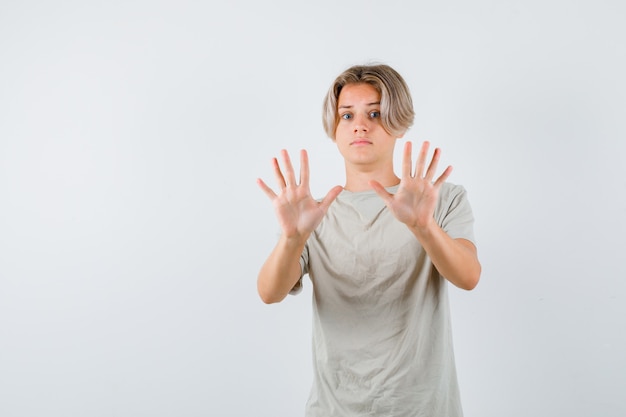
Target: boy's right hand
[(297, 211)]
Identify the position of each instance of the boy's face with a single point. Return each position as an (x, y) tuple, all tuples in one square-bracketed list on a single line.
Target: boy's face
[(360, 136)]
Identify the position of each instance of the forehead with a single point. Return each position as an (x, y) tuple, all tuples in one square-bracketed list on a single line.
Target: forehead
[(352, 94)]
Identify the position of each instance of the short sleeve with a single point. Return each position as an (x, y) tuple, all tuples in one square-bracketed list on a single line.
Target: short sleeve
[(454, 213), (304, 269)]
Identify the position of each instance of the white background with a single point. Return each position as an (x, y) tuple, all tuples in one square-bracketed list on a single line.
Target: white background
[(131, 227)]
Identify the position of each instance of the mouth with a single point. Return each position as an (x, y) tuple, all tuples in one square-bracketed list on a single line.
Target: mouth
[(360, 142)]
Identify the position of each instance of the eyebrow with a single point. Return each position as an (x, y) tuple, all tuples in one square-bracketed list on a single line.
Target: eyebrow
[(374, 103)]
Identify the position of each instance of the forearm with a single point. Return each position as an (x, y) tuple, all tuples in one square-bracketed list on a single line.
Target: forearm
[(281, 270), (455, 259)]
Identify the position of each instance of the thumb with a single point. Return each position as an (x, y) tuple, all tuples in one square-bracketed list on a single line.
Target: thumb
[(330, 197), (380, 190)]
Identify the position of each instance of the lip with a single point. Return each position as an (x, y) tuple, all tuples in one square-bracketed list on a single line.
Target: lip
[(360, 142)]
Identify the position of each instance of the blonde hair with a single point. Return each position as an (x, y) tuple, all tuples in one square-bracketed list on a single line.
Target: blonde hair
[(396, 105)]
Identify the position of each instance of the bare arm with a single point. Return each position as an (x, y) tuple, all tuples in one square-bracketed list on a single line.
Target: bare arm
[(455, 259), (414, 204), (281, 270), (298, 215)]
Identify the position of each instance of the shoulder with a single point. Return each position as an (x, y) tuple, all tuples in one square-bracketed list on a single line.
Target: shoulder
[(452, 200), (449, 192)]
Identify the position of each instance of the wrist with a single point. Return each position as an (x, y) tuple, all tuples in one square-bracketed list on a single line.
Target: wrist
[(293, 241), (424, 231)]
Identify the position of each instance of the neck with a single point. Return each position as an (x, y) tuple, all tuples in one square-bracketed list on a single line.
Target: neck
[(358, 180)]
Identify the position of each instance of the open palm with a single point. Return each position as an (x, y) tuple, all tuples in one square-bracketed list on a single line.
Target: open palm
[(415, 200), (298, 213)]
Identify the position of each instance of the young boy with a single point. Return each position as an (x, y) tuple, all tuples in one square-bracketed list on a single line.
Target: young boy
[(379, 252)]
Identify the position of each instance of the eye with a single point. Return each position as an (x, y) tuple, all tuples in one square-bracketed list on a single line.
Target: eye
[(346, 116), (374, 114)]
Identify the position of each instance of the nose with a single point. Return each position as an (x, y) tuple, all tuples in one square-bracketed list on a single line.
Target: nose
[(361, 123)]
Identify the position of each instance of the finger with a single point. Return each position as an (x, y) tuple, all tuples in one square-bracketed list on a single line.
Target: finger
[(406, 161), (280, 179), (330, 197), (267, 190), (290, 176), (304, 168), (380, 190), (420, 165), (443, 177), (432, 167)]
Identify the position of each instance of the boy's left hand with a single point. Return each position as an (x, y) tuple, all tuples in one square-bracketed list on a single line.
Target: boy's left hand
[(415, 200)]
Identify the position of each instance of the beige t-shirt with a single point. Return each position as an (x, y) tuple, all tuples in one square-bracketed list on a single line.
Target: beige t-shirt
[(382, 342)]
